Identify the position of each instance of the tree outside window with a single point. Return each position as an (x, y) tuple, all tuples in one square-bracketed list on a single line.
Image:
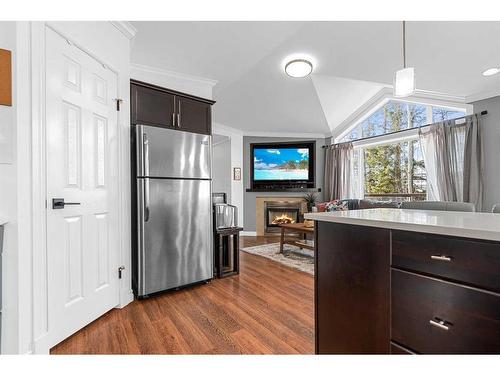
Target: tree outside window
[(396, 168), (442, 114)]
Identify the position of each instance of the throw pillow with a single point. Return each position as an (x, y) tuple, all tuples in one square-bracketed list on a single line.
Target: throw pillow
[(336, 205)]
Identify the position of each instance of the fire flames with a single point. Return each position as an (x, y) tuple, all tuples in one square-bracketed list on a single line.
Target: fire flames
[(283, 219)]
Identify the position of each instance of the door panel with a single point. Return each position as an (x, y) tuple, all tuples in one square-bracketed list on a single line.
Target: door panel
[(73, 258), (173, 153), (194, 116), (176, 249), (82, 165), (152, 107)]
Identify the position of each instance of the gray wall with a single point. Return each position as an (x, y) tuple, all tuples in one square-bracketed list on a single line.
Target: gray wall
[(490, 125), (249, 201), (221, 167)]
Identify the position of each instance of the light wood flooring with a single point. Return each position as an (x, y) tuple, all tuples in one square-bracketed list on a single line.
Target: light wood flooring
[(267, 309)]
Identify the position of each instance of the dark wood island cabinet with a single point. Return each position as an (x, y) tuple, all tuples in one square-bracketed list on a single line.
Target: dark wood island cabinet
[(400, 282)]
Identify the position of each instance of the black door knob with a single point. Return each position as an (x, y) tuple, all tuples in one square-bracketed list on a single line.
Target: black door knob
[(58, 203)]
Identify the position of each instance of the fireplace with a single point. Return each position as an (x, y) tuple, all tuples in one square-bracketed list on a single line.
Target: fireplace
[(280, 212)]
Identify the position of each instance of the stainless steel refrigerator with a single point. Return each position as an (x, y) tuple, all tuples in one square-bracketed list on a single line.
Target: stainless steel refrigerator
[(174, 211)]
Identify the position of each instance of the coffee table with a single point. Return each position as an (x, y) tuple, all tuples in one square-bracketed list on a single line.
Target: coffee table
[(297, 228)]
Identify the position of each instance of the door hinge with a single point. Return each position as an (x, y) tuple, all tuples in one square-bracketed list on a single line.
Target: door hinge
[(118, 103), (120, 271)]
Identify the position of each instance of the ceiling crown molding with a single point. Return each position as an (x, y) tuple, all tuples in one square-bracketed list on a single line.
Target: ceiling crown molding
[(225, 130), (284, 135), (425, 94), (482, 95), (169, 73), (126, 28)]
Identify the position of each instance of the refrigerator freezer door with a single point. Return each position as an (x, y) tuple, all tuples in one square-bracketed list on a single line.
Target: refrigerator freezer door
[(171, 153), (175, 243)]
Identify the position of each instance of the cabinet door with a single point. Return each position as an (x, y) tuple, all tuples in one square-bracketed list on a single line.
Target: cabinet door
[(152, 107), (194, 116), (352, 289)]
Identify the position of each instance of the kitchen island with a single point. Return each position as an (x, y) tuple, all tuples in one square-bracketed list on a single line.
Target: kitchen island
[(407, 281)]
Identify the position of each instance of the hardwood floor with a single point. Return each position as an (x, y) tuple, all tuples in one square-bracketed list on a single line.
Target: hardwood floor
[(258, 240), (267, 309)]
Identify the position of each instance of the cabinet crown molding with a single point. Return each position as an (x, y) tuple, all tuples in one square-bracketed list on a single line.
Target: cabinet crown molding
[(126, 28), (169, 73)]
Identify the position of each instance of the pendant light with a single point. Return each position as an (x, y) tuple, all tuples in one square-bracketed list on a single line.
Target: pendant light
[(404, 79)]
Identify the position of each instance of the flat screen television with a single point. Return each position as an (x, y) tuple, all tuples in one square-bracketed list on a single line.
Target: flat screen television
[(282, 165)]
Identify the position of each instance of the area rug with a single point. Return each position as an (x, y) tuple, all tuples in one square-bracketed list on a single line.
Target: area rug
[(293, 256)]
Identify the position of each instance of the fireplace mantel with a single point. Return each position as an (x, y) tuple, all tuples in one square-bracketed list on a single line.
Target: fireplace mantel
[(260, 209)]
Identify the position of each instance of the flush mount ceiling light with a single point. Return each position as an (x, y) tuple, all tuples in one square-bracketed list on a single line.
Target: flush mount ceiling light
[(491, 72), (298, 68), (404, 79)]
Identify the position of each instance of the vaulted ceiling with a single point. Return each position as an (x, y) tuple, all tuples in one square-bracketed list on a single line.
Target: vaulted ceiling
[(355, 60)]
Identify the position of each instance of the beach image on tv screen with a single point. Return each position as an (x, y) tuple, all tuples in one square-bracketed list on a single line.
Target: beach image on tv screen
[(281, 164)]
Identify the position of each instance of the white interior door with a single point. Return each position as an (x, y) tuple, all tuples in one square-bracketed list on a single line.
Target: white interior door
[(82, 167)]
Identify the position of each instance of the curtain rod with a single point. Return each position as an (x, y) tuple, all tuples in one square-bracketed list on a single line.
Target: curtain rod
[(396, 132)]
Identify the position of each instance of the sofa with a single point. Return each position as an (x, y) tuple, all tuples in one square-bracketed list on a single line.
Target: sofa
[(361, 204)]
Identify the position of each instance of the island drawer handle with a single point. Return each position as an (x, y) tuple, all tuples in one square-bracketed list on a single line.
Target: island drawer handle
[(443, 258), (440, 324)]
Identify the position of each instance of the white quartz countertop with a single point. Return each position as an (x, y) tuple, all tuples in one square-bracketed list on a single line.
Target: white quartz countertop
[(479, 225)]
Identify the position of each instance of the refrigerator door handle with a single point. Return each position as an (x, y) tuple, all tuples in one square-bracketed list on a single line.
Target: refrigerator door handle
[(145, 143), (145, 158), (141, 265), (146, 199)]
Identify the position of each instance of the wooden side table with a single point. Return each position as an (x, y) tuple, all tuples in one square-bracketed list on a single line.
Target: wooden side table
[(295, 227), (227, 252)]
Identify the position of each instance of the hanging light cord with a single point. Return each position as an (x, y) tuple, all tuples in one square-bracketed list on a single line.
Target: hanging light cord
[(404, 44)]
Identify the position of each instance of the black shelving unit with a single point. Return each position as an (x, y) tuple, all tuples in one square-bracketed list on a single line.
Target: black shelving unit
[(226, 252)]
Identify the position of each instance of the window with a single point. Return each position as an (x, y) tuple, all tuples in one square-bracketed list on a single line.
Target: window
[(396, 170), (398, 115), (442, 114)]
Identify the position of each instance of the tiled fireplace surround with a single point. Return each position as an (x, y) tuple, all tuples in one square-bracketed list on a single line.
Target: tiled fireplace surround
[(260, 211)]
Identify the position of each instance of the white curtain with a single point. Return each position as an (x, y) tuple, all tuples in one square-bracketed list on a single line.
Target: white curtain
[(453, 160), (357, 175), (338, 167)]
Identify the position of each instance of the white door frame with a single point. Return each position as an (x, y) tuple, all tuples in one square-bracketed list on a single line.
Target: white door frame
[(33, 309)]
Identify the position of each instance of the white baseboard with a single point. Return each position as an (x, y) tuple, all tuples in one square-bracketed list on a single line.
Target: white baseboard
[(248, 233), (126, 297)]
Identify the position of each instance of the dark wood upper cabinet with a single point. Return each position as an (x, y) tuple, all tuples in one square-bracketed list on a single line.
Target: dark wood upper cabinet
[(158, 106), (152, 107), (194, 116)]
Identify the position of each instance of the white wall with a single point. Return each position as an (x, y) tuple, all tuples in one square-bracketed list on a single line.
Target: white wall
[(221, 161), (490, 126), (236, 138), (8, 205)]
